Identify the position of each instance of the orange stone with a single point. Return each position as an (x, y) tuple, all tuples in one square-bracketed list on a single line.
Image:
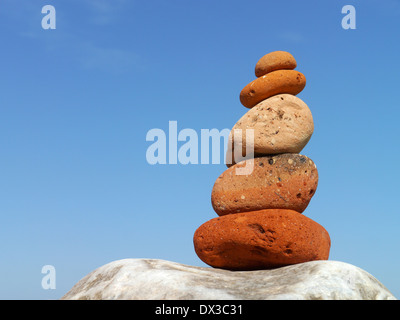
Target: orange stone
[(273, 83), (286, 181), (262, 239), (277, 60)]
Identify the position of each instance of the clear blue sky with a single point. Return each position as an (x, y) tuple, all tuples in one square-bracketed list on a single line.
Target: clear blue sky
[(77, 102)]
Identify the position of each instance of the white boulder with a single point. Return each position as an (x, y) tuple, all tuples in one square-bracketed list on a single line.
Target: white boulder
[(147, 279)]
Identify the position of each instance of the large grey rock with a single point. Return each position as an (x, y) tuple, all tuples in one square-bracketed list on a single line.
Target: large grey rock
[(145, 279)]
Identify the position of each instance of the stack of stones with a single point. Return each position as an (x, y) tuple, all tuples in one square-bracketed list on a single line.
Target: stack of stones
[(261, 224)]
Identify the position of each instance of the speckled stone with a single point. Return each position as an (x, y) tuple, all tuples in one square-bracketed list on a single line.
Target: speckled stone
[(286, 181), (281, 124), (261, 240)]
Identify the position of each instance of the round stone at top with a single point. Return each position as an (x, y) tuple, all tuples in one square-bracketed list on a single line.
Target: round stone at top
[(277, 60)]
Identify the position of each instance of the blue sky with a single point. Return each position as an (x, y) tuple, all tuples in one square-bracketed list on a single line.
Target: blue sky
[(77, 102)]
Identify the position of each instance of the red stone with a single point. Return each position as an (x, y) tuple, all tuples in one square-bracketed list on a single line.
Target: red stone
[(261, 240), (286, 181)]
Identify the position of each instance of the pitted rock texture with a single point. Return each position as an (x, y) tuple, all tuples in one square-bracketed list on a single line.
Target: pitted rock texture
[(273, 83), (261, 240), (277, 60), (281, 124), (285, 181), (150, 279)]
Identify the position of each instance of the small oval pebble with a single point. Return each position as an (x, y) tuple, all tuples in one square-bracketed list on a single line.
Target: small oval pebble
[(277, 60), (286, 181), (275, 82), (281, 124), (261, 240)]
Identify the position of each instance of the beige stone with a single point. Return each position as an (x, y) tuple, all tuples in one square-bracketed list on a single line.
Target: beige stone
[(281, 124)]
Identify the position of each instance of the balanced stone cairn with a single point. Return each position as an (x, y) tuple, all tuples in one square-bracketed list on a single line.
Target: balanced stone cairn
[(261, 223)]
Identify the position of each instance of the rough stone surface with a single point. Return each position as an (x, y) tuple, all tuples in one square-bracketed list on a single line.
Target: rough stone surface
[(277, 60), (285, 181), (273, 83), (146, 279), (261, 240), (281, 124)]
